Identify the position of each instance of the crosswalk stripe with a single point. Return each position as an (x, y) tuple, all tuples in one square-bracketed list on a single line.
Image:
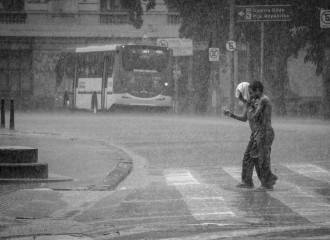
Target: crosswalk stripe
[(297, 199), (311, 171), (209, 207)]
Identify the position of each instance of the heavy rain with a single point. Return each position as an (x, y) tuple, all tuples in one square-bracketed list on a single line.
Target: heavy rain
[(164, 119)]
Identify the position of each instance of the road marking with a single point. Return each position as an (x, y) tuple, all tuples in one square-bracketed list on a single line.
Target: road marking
[(211, 206), (297, 199), (252, 232), (311, 171), (181, 177)]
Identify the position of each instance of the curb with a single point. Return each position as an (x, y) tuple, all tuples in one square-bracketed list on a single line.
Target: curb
[(111, 181), (52, 178), (121, 171)]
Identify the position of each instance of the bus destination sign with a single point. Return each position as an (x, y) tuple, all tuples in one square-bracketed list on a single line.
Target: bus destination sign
[(263, 13)]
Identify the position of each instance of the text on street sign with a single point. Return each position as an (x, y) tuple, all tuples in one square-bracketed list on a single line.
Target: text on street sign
[(258, 13)]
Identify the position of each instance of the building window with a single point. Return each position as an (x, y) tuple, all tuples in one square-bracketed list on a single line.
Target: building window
[(173, 18), (112, 12), (12, 11), (12, 5), (110, 5)]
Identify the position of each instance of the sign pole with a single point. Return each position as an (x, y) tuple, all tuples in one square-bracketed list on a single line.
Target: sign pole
[(262, 51), (176, 86), (230, 54)]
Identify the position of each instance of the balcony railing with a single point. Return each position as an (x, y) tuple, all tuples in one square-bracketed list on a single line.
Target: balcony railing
[(12, 17), (109, 18), (173, 18), (114, 18)]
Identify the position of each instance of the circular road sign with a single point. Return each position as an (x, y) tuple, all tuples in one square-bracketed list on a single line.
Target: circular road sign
[(176, 72), (231, 45), (325, 17), (213, 54), (163, 43)]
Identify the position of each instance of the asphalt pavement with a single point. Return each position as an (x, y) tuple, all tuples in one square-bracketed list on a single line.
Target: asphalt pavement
[(89, 171), (182, 183)]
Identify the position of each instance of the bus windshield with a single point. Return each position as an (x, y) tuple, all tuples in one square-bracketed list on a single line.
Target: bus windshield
[(145, 58)]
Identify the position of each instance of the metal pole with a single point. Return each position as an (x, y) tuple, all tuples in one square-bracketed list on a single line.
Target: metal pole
[(262, 53), (12, 115), (176, 86), (75, 79), (3, 120), (231, 54)]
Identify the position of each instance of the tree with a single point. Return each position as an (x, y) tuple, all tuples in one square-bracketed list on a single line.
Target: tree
[(135, 10), (307, 34), (209, 21)]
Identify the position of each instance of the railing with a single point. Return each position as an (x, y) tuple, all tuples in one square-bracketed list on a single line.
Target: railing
[(110, 18), (173, 18), (12, 17), (114, 18)]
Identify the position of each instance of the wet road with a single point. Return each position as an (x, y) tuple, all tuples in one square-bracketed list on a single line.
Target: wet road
[(190, 166)]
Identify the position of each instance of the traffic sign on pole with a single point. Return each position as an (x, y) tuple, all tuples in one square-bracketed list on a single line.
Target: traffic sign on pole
[(214, 54), (231, 45), (263, 13), (180, 46), (325, 18)]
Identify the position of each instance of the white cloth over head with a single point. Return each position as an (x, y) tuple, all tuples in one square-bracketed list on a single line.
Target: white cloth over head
[(243, 88)]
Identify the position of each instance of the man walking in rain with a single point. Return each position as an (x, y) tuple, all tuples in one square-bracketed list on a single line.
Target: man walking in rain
[(265, 136), (251, 154), (249, 159)]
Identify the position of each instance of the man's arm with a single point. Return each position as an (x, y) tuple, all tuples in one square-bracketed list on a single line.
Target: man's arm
[(262, 103), (242, 118)]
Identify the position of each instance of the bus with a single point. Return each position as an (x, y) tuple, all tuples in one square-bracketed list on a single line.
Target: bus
[(119, 74)]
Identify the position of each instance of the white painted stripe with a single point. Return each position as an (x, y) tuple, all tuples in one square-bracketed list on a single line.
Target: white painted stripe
[(311, 171), (183, 177), (296, 198), (203, 202), (252, 232)]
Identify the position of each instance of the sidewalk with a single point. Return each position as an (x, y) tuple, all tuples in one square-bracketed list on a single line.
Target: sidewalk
[(88, 169)]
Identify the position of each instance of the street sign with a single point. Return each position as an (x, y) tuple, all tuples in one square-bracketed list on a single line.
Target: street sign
[(176, 72), (214, 54), (231, 45), (180, 46), (263, 13), (325, 18)]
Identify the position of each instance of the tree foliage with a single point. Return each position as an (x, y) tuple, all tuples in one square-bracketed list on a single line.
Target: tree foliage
[(306, 32), (135, 10)]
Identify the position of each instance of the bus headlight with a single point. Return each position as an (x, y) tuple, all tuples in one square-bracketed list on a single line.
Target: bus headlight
[(166, 84)]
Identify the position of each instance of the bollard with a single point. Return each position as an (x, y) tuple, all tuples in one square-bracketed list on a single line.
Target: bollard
[(3, 121), (12, 115)]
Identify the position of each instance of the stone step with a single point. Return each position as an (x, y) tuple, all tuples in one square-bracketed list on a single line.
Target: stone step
[(18, 154), (23, 170)]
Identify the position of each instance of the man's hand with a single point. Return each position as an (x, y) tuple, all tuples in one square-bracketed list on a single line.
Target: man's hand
[(226, 113)]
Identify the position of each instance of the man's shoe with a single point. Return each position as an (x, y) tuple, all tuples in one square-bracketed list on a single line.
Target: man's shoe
[(274, 179), (245, 185), (264, 189)]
